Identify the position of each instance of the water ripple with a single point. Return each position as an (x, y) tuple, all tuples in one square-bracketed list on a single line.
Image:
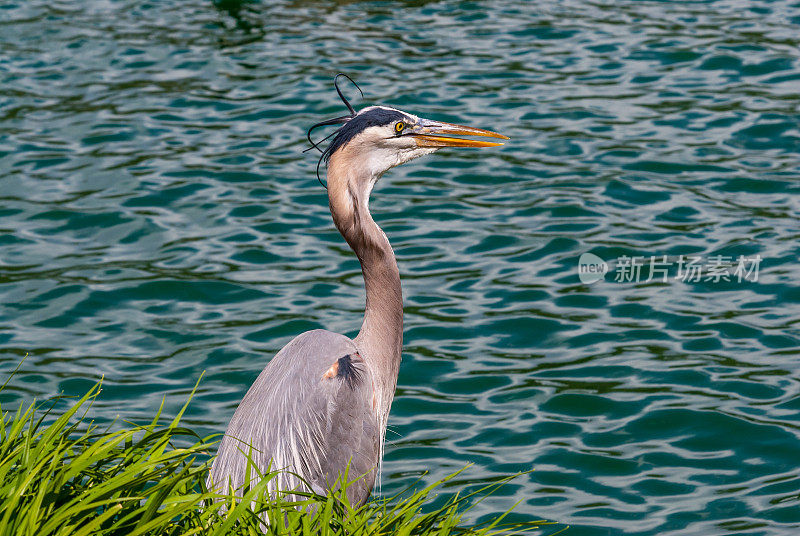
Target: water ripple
[(158, 219)]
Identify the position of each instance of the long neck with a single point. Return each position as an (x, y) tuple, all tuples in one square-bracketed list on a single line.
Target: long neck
[(381, 335)]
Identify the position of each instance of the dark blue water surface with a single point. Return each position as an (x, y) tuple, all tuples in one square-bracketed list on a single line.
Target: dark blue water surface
[(158, 219)]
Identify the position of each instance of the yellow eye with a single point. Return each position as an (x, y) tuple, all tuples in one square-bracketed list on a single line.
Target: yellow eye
[(399, 126)]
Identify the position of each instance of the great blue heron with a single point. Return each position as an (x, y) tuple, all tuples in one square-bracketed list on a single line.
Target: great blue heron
[(322, 402)]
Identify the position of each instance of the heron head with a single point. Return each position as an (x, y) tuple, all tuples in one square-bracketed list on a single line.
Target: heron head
[(379, 138)]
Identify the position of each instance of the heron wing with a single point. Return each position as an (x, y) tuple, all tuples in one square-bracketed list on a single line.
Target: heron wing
[(310, 412)]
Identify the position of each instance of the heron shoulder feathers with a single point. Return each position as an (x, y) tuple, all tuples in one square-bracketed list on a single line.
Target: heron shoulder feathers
[(311, 411)]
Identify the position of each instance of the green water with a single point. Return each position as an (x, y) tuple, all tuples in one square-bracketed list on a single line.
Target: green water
[(158, 219)]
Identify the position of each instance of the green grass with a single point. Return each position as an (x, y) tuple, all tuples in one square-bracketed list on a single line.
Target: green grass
[(62, 475)]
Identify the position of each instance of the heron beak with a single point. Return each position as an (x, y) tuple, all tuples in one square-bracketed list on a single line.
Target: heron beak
[(433, 134)]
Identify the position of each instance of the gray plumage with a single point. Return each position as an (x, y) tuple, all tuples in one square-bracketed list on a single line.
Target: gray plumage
[(322, 403), (309, 411)]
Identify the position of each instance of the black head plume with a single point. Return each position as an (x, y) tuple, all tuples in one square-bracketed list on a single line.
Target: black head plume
[(335, 121), (339, 91)]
